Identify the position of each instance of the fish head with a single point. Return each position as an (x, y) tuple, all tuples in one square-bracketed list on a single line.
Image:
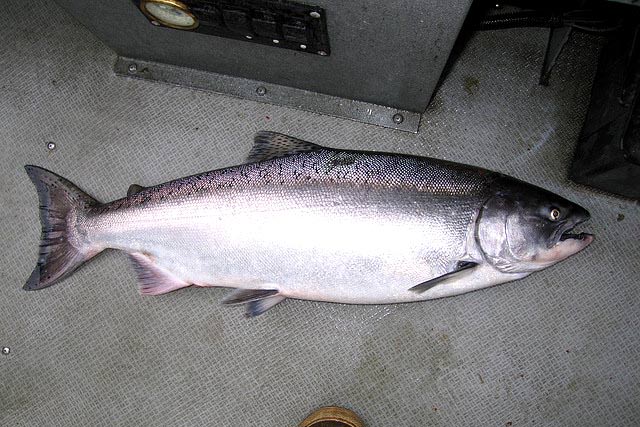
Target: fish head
[(525, 229)]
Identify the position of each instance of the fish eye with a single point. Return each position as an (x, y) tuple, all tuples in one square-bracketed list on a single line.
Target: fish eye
[(554, 214)]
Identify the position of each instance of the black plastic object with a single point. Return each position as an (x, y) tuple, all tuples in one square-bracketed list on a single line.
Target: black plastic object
[(608, 152), (589, 20), (282, 24)]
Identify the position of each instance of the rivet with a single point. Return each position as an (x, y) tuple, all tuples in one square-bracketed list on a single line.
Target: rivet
[(315, 15), (276, 41), (6, 350), (133, 68), (322, 53), (249, 37), (156, 23), (261, 90), (398, 118)]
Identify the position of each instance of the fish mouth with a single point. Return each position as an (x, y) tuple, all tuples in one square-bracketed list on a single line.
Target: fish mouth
[(567, 243), (569, 234)]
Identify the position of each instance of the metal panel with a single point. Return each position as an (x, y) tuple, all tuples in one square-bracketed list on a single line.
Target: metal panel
[(385, 53), (279, 23), (270, 93)]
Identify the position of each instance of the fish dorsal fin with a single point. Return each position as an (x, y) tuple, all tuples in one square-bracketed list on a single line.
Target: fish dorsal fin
[(271, 145), (135, 188)]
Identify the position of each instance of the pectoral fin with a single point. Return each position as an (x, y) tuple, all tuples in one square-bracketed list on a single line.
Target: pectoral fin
[(462, 268), (257, 300)]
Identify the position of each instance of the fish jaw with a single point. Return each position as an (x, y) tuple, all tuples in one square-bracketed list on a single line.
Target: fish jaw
[(563, 249), (565, 243)]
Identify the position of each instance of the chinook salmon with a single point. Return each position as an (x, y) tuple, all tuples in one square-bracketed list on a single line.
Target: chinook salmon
[(303, 221)]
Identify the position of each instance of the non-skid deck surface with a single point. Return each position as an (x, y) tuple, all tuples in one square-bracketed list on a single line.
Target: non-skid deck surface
[(558, 348)]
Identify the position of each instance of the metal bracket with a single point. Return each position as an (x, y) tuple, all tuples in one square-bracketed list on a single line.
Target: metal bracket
[(254, 90), (558, 37)]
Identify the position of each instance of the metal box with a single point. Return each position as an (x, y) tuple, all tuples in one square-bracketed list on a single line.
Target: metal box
[(385, 61)]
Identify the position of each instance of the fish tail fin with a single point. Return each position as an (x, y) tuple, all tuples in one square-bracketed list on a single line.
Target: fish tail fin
[(61, 251)]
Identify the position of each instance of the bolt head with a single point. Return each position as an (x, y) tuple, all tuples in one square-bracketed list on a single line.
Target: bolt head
[(261, 90), (133, 68), (398, 118)]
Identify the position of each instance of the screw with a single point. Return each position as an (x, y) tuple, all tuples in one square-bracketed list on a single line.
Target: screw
[(322, 53), (398, 118), (51, 145), (303, 46), (261, 90), (276, 41), (133, 68), (314, 15), (249, 37), (6, 350)]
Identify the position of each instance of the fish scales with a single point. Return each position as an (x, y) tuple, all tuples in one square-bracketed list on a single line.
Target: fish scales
[(276, 220)]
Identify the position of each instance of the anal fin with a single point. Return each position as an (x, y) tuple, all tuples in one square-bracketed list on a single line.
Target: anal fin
[(153, 279), (462, 268), (256, 301), (257, 307)]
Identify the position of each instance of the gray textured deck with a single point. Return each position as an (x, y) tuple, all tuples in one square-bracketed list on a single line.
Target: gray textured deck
[(558, 348)]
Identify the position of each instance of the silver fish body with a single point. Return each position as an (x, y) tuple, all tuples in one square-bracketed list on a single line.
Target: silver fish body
[(309, 222)]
